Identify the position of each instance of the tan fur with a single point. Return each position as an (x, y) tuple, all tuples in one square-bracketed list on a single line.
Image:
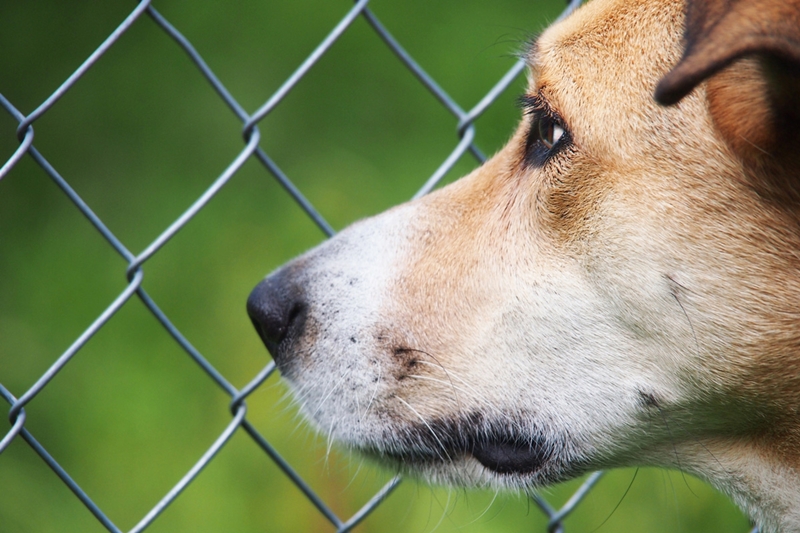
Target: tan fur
[(650, 265)]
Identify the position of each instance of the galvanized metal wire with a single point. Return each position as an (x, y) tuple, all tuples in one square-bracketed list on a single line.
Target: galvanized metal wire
[(136, 262)]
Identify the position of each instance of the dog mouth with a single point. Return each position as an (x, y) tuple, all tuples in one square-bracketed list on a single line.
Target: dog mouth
[(507, 449), (509, 456)]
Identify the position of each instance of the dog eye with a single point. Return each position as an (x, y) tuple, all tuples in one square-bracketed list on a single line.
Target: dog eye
[(547, 135), (549, 131)]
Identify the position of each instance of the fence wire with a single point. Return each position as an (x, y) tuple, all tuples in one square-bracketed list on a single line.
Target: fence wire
[(465, 128)]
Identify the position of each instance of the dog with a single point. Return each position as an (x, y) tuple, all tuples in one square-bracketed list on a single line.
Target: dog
[(618, 286)]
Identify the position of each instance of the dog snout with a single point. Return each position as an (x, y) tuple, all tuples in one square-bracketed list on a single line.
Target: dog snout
[(277, 308)]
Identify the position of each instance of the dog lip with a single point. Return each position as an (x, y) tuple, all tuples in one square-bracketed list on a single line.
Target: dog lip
[(511, 456), (498, 447), (502, 456)]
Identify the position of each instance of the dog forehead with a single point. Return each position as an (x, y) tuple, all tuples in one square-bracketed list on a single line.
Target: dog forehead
[(599, 68), (632, 32)]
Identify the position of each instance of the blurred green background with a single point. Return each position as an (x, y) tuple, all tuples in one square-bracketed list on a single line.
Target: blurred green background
[(139, 138)]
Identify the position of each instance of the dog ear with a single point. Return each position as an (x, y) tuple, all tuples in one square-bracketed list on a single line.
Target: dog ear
[(718, 32), (748, 52)]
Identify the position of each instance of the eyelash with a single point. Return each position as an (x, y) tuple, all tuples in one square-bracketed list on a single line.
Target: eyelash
[(547, 134)]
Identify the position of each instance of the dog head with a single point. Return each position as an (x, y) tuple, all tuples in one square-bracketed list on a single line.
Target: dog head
[(619, 285)]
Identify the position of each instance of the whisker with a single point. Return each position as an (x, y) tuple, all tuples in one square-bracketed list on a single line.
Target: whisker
[(428, 378), (473, 393), (443, 369), (486, 509), (422, 418), (374, 394), (445, 511), (333, 387), (330, 444), (674, 449), (354, 475), (614, 510)]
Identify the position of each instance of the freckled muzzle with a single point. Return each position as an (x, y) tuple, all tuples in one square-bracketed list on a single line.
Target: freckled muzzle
[(279, 309)]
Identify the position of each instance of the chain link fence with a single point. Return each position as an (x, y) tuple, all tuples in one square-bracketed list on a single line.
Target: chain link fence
[(25, 132)]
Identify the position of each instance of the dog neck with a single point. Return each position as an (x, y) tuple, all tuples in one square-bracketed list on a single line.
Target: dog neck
[(761, 475)]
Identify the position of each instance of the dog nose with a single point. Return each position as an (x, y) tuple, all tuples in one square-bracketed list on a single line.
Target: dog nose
[(277, 308)]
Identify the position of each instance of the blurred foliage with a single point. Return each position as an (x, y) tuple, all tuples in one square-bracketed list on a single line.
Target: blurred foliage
[(139, 138)]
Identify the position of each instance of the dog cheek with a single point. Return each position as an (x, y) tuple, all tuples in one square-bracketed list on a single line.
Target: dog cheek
[(570, 196)]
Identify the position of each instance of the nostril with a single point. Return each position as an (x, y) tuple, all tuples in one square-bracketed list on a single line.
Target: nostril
[(276, 308), (297, 310)]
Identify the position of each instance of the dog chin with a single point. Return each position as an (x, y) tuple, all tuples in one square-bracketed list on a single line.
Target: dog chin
[(474, 451)]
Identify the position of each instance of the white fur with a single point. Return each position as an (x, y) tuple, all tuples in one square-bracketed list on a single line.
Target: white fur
[(616, 305)]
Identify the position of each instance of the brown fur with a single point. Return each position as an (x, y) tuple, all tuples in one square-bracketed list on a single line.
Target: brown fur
[(749, 54), (652, 259), (726, 198)]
